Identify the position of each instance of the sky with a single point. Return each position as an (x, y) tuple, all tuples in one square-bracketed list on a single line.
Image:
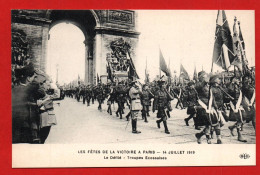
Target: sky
[(184, 36)]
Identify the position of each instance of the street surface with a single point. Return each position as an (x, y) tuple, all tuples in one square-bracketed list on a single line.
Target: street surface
[(79, 123)]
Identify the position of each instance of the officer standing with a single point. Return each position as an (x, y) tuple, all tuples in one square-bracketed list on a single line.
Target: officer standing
[(134, 94), (160, 104)]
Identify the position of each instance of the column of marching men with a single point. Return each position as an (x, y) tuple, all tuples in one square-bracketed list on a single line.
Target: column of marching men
[(209, 102)]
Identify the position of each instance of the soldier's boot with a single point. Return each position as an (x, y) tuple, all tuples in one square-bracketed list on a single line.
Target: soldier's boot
[(231, 128), (133, 126), (158, 123), (242, 127), (212, 134), (135, 131), (143, 115), (219, 141), (166, 127), (198, 136), (127, 116), (145, 119), (208, 137), (117, 113), (187, 120), (168, 114), (253, 122), (120, 113), (195, 123), (240, 137)]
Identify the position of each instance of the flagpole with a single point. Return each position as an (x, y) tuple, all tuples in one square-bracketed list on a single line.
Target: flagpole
[(159, 65)]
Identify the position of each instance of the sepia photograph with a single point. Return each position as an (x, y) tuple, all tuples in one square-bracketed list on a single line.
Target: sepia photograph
[(119, 88)]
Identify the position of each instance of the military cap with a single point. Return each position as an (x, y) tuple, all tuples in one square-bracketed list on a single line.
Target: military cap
[(201, 73), (160, 82), (191, 83), (213, 78), (235, 80), (132, 83)]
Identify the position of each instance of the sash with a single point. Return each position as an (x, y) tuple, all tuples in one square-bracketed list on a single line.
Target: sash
[(236, 107), (209, 108), (179, 96), (252, 99)]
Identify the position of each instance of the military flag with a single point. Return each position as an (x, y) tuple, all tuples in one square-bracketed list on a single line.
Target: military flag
[(223, 54), (163, 66), (184, 74), (242, 43), (78, 80), (98, 79), (237, 47), (132, 71), (195, 75), (147, 79)]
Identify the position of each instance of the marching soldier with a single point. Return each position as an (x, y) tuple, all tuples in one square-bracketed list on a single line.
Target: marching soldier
[(218, 104), (120, 95), (248, 91), (100, 95), (83, 94), (192, 102), (236, 110), (202, 116), (160, 104), (134, 94), (146, 102), (110, 99), (88, 93)]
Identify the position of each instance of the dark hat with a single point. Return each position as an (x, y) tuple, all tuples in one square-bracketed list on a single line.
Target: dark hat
[(160, 82), (29, 70), (191, 83), (213, 78), (41, 76), (132, 83), (201, 73)]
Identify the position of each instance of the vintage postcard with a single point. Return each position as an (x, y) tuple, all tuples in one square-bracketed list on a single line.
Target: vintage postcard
[(133, 88)]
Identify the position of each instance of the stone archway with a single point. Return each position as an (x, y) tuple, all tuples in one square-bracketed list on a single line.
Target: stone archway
[(100, 27)]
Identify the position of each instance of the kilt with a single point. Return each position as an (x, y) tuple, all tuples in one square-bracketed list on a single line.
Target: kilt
[(191, 110), (247, 115), (203, 118), (161, 114)]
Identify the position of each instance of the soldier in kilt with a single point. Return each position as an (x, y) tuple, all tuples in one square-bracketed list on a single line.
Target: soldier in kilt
[(192, 103), (248, 91), (161, 98), (236, 112), (202, 88)]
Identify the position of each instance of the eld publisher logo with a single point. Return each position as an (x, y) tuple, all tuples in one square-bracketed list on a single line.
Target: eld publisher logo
[(244, 156)]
